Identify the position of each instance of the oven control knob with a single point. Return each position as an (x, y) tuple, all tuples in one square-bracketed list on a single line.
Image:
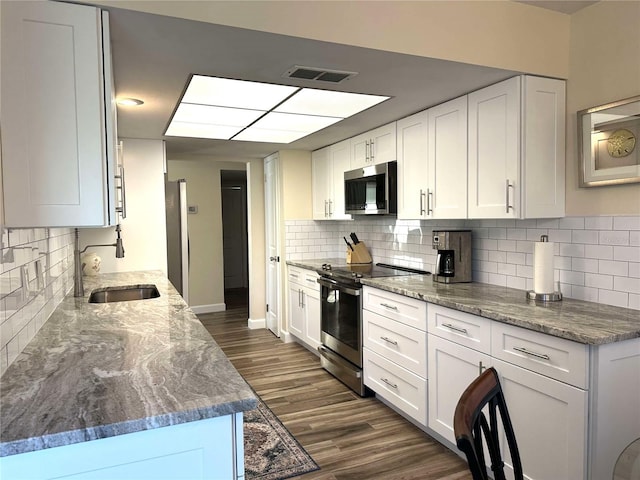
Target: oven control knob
[(356, 275), (327, 266)]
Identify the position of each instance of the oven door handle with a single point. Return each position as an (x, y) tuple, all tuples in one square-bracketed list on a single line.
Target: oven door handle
[(333, 285)]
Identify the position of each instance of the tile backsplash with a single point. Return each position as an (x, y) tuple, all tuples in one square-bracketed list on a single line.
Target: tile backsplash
[(596, 258), (36, 272)]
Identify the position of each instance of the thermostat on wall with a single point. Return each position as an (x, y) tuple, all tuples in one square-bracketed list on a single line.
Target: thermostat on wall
[(192, 209)]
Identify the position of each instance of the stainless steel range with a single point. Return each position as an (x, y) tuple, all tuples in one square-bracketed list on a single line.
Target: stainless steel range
[(341, 318)]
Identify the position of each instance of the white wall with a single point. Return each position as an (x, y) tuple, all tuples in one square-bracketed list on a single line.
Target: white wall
[(604, 67), (144, 230), (257, 248)]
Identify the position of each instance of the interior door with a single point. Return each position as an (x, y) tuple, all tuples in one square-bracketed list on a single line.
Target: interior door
[(272, 215)]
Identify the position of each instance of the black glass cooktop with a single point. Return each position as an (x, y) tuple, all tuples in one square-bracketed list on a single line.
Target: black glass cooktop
[(370, 270)]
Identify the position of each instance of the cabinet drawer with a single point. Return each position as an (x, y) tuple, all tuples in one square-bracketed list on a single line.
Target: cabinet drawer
[(310, 279), (469, 330), (404, 345), (398, 386), (296, 275), (554, 357), (406, 310)]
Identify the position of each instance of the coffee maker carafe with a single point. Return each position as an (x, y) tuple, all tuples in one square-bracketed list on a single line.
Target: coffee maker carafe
[(453, 262)]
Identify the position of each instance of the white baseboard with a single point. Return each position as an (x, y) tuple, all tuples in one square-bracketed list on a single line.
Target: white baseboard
[(214, 307), (286, 337), (255, 323)]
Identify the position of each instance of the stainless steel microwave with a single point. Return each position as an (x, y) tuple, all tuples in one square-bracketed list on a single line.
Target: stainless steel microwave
[(372, 190)]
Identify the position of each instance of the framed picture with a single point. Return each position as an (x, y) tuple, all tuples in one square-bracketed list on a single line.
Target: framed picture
[(609, 143)]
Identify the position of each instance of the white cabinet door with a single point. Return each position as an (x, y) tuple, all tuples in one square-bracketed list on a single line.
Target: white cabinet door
[(451, 368), (55, 151), (296, 311), (447, 160), (413, 172), (550, 423), (340, 155), (312, 317), (494, 150), (543, 149), (321, 178), (373, 147)]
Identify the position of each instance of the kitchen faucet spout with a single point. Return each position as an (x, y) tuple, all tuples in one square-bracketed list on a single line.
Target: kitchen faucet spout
[(78, 286)]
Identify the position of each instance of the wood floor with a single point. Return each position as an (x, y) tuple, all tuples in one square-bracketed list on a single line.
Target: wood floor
[(349, 437)]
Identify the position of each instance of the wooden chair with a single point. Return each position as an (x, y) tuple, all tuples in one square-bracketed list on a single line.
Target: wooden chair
[(470, 427)]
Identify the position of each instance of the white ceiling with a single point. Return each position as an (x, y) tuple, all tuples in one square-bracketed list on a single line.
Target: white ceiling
[(154, 56)]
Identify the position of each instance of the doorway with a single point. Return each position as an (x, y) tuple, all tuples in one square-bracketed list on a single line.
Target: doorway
[(234, 237)]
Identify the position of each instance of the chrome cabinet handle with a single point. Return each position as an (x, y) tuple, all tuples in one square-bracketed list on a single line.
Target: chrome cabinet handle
[(122, 209), (302, 296), (367, 149), (291, 274), (543, 356), (429, 202), (481, 368), (371, 150), (325, 209), (422, 198), (509, 185), (392, 385), (388, 340), (391, 307), (456, 329), (330, 209), (299, 298)]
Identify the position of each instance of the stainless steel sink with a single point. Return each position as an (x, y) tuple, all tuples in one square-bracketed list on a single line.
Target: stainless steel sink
[(123, 294)]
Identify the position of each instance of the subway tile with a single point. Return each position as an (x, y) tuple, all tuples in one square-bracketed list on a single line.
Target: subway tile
[(634, 301), (517, 258), (505, 223), (611, 267), (634, 269), (517, 282), (497, 256), (573, 223), (588, 294), (571, 250), (498, 233), (506, 269), (507, 245), (480, 254), (626, 223), (481, 277), (598, 223), (496, 279), (627, 284), (524, 271), (629, 254), (563, 263), (523, 246), (615, 237), (490, 267), (534, 234), (598, 281), (584, 236), (634, 238), (547, 223), (574, 278), (601, 252), (609, 297), (516, 233), (560, 236), (585, 265)]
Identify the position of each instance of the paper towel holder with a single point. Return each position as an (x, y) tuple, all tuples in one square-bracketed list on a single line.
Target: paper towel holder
[(544, 297)]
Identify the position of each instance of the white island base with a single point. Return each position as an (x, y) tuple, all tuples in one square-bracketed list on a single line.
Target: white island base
[(207, 449)]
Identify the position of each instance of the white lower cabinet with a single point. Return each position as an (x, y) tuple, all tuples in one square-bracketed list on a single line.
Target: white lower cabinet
[(452, 367), (304, 306), (550, 423), (395, 350)]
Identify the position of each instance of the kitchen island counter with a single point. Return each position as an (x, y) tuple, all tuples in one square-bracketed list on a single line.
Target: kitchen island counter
[(95, 371), (583, 322)]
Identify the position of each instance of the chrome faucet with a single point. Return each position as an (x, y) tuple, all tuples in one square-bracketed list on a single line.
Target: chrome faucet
[(78, 286)]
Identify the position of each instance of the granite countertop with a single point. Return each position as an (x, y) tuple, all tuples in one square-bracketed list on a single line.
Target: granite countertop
[(584, 322), (317, 264), (101, 370)]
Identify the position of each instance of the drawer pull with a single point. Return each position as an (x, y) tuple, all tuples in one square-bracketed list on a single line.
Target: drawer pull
[(292, 274), (455, 329), (310, 280), (391, 307), (392, 385), (543, 356), (388, 340)]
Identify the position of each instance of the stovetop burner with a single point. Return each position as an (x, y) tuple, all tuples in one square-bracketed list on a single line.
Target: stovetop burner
[(355, 272)]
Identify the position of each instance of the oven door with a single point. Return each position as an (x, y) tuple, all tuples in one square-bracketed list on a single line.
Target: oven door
[(341, 319)]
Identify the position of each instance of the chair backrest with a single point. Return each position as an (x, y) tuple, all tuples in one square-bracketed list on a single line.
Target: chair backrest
[(470, 427)]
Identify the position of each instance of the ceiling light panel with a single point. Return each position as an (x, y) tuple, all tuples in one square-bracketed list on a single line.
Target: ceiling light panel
[(224, 92), (328, 103), (201, 130), (254, 134), (234, 117), (294, 123)]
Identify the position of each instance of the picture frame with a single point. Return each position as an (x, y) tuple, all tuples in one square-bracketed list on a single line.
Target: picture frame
[(609, 143)]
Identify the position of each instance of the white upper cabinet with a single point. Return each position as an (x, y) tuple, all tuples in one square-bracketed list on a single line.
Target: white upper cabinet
[(516, 149), (374, 147), (447, 160), (57, 116), (328, 167), (413, 171)]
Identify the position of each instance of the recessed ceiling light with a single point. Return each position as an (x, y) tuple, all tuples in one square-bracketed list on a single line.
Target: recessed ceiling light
[(222, 108), (129, 102)]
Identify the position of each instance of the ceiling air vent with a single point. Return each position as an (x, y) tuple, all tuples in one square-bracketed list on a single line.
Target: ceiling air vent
[(318, 74)]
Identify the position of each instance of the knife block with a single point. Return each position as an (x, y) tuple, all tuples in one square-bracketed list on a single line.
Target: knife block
[(359, 255)]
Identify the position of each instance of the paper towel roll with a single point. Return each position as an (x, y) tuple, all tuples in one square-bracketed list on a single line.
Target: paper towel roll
[(543, 267)]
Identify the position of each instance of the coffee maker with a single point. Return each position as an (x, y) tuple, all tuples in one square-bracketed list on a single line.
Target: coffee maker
[(453, 263)]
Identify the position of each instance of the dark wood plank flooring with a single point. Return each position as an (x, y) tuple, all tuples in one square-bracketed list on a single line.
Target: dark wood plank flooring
[(348, 436)]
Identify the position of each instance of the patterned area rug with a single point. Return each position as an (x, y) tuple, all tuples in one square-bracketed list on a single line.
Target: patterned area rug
[(270, 451)]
